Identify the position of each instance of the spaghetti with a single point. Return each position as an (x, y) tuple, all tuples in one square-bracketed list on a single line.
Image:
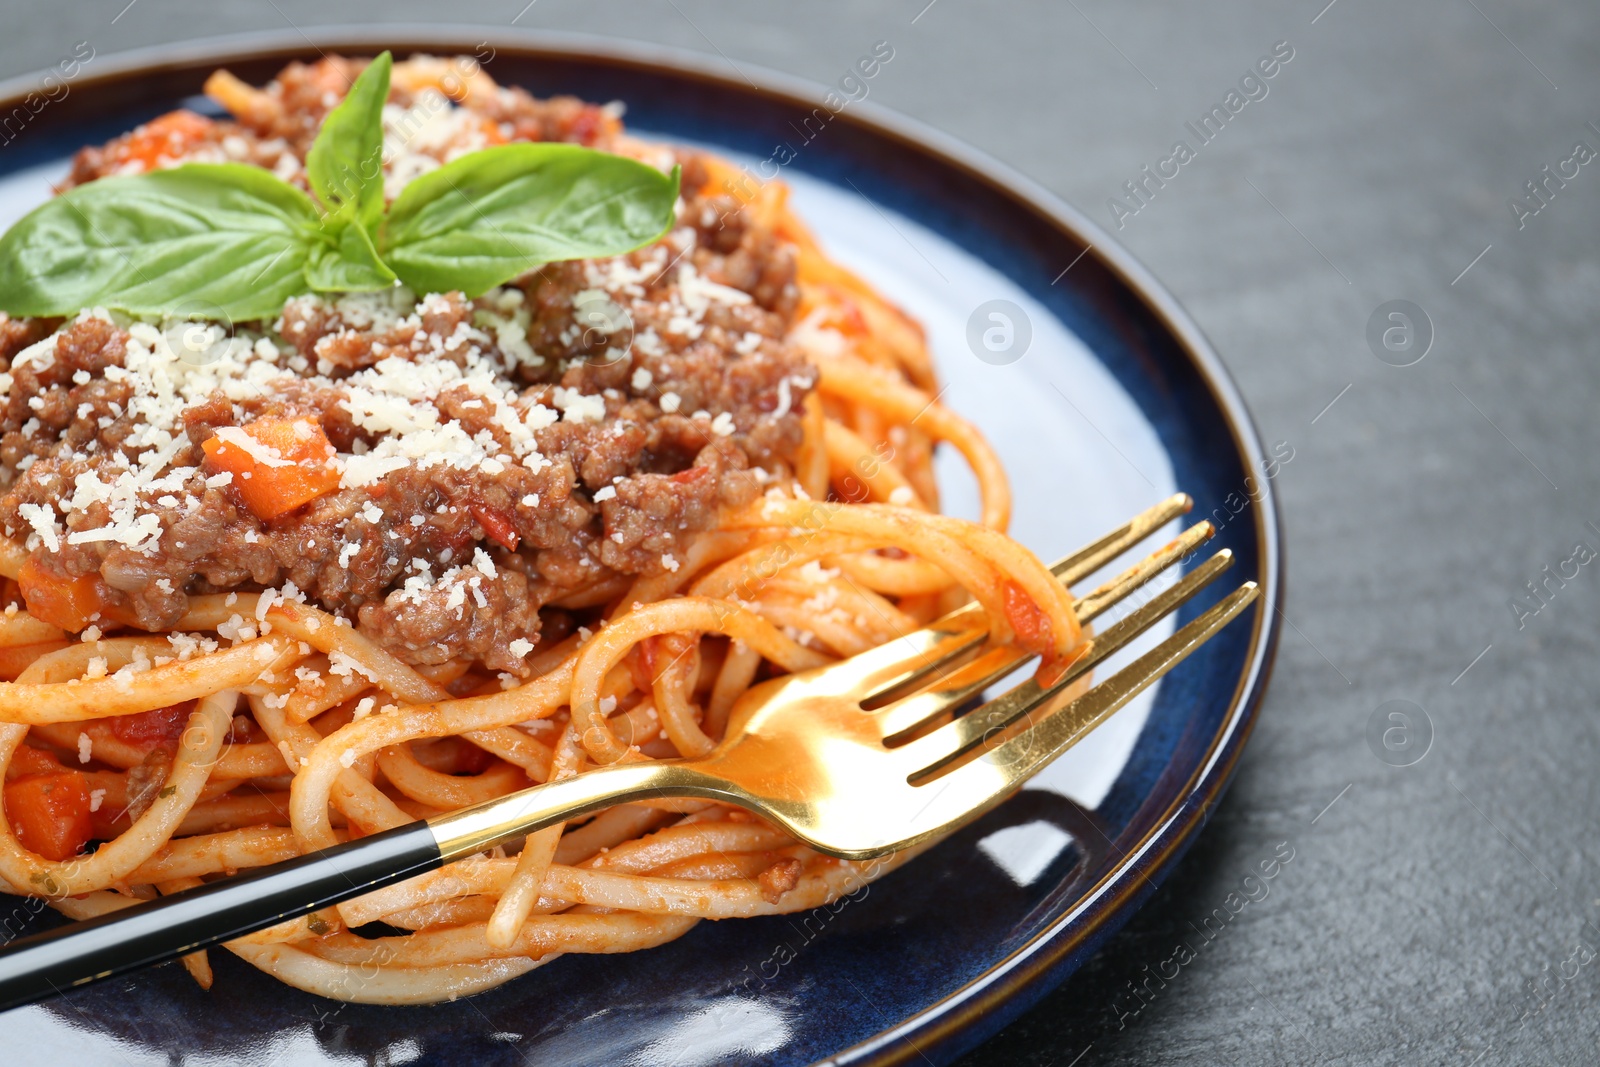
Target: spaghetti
[(299, 581)]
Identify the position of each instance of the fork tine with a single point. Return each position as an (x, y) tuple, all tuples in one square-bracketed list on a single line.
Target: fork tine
[(959, 633), (1094, 604), (1084, 562), (1064, 723), (929, 753), (916, 710), (899, 720)]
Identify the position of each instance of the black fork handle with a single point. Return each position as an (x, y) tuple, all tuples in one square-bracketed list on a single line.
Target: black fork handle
[(143, 935), (42, 965)]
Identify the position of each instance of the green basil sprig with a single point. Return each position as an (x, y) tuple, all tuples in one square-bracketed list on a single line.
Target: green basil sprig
[(345, 164), (236, 241)]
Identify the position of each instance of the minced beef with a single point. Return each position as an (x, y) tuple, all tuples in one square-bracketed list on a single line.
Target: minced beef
[(278, 124), (681, 402)]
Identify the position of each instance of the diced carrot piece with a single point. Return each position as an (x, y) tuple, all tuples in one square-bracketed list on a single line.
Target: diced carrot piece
[(169, 136), (108, 819), (491, 131), (50, 813), (251, 106), (722, 178), (70, 603), (27, 761), (282, 464), (765, 199), (17, 658)]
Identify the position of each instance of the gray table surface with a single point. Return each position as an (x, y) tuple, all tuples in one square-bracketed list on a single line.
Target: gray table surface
[(1441, 912)]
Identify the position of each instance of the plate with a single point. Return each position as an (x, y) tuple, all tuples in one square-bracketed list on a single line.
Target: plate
[(1100, 395)]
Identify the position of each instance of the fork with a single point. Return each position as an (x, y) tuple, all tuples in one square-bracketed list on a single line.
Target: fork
[(857, 759)]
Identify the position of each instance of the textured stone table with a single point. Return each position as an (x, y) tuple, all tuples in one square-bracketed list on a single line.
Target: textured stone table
[(1434, 913)]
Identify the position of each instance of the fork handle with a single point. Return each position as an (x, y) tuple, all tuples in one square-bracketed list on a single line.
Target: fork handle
[(42, 965), (39, 966)]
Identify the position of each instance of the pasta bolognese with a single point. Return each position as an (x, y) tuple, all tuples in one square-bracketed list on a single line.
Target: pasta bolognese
[(273, 583)]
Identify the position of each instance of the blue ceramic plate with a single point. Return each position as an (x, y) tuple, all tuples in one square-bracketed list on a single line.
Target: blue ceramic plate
[(1100, 395)]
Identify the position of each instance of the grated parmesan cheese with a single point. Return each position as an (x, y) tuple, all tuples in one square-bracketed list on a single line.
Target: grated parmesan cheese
[(43, 521), (345, 665), (401, 402), (576, 407), (263, 455)]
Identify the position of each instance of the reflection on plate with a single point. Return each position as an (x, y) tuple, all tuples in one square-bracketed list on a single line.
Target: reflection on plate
[(1114, 402)]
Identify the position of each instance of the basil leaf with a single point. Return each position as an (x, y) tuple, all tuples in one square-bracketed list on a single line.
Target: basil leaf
[(496, 213), (345, 163), (346, 262), (224, 237)]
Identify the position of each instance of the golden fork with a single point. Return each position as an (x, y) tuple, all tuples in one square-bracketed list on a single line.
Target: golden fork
[(857, 759)]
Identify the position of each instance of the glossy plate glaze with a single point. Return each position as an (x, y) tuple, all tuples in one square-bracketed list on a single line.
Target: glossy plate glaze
[(1114, 401)]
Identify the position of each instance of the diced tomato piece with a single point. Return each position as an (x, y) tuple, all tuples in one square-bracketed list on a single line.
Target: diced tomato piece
[(453, 755), (497, 524), (693, 474), (110, 819), (1033, 632), (331, 76), (847, 318), (150, 728), (285, 463), (50, 813), (1028, 622), (470, 759), (70, 603), (642, 664), (586, 127)]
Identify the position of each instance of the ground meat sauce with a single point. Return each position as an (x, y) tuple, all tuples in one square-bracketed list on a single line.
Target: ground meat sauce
[(277, 129), (496, 455)]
